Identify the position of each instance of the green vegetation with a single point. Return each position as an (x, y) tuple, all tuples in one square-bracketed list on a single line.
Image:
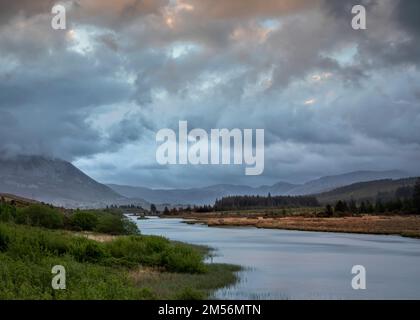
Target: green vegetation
[(39, 215), (31, 243), (405, 200), (185, 286), (384, 190), (103, 270), (249, 203), (416, 196), (84, 220)]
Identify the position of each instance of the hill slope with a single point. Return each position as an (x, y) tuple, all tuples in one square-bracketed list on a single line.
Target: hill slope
[(328, 183), (53, 181), (208, 195), (363, 191), (198, 196)]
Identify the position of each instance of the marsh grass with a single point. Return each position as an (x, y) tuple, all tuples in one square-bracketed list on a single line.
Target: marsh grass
[(105, 270), (186, 286)]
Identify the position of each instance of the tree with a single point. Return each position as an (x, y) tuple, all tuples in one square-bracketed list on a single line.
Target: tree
[(166, 211), (416, 196), (153, 208), (369, 207), (379, 207), (84, 220), (363, 208), (329, 211), (341, 206), (353, 206)]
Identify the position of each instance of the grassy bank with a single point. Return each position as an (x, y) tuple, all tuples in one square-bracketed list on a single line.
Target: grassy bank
[(120, 264)]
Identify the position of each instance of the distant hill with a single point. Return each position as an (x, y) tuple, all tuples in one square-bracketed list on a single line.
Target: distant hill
[(328, 183), (60, 183), (363, 191), (208, 195), (54, 181), (199, 196)]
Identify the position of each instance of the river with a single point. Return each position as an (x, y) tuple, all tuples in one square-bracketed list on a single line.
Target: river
[(282, 264)]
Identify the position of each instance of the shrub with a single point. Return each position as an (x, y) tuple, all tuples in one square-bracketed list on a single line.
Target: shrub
[(179, 258), (130, 228), (134, 250), (111, 224), (84, 220), (7, 212), (40, 216), (116, 224), (4, 240), (84, 250), (157, 252)]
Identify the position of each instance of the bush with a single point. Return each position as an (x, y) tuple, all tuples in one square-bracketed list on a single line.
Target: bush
[(115, 224), (84, 250), (135, 250), (40, 216), (111, 224), (157, 252), (7, 212), (84, 220), (4, 240), (130, 228), (180, 258), (27, 254)]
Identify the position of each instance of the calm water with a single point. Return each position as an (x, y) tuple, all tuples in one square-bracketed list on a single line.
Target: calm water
[(282, 264)]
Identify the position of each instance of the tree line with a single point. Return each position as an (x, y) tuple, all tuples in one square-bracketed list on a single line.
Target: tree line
[(260, 202), (249, 202), (405, 200)]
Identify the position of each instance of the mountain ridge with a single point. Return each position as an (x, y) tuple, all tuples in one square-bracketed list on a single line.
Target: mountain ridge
[(207, 195), (54, 181), (60, 183)]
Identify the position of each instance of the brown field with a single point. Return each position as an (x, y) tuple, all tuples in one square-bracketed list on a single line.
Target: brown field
[(408, 226)]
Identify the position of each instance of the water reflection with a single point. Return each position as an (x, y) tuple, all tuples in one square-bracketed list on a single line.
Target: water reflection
[(282, 264)]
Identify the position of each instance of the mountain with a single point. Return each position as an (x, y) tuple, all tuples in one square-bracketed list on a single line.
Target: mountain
[(207, 195), (363, 191), (198, 196), (328, 183), (53, 181)]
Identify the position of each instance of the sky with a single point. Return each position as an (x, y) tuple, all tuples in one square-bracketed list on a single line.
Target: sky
[(330, 99)]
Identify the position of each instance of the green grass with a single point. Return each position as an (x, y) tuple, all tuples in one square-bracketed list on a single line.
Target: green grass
[(108, 221), (187, 286), (103, 270)]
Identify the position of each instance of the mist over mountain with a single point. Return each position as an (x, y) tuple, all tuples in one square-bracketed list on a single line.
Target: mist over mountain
[(207, 195), (60, 183), (329, 183), (199, 196), (53, 181), (384, 190)]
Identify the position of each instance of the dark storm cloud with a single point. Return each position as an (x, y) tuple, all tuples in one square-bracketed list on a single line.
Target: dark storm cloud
[(342, 9), (408, 14), (98, 91), (27, 8)]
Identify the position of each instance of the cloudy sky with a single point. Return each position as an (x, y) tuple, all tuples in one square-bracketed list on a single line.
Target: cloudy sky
[(331, 99)]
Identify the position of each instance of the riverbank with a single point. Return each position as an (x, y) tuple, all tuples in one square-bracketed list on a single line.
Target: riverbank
[(104, 267), (407, 226)]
